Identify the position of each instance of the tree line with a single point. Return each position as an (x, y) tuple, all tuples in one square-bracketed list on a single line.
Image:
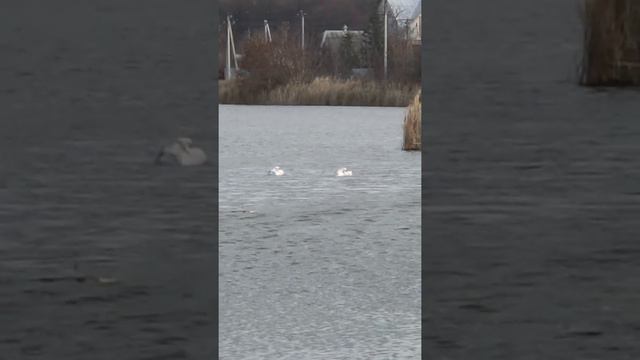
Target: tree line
[(282, 62)]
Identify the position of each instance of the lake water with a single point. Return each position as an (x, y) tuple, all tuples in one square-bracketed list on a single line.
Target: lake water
[(314, 266), (90, 91), (531, 189)]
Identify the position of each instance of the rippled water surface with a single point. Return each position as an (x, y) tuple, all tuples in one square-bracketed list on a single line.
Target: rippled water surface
[(95, 241), (313, 266), (532, 189)]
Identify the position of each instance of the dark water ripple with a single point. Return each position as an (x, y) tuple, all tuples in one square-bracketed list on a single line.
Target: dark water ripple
[(531, 190), (95, 241)]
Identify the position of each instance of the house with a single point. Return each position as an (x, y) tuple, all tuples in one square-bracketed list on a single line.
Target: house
[(415, 24), (331, 39), (404, 16)]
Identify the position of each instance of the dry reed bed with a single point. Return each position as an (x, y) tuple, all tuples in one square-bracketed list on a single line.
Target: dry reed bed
[(413, 125), (228, 90), (323, 91), (611, 54)]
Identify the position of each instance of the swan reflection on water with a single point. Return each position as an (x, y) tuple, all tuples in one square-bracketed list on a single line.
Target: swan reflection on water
[(182, 153)]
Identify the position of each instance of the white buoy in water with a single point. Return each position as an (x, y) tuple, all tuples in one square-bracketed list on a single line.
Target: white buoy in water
[(182, 153), (344, 172)]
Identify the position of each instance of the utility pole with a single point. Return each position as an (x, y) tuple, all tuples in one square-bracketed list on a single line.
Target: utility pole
[(233, 48), (228, 63), (231, 51), (385, 39), (266, 26), (267, 32), (302, 29)]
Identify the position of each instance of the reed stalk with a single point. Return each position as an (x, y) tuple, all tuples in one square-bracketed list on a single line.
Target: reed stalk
[(611, 49), (413, 125)]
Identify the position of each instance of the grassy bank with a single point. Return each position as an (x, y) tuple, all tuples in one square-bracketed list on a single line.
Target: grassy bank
[(321, 91), (611, 54), (413, 125)]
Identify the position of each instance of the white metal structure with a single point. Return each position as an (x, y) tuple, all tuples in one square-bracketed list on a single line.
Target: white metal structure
[(231, 51), (267, 32)]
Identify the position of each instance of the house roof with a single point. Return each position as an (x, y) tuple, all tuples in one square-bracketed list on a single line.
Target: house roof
[(333, 36)]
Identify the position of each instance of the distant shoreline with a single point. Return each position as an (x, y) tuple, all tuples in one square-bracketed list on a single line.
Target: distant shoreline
[(322, 91)]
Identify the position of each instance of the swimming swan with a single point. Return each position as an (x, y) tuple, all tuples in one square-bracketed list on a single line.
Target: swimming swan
[(344, 172), (182, 153), (277, 171)]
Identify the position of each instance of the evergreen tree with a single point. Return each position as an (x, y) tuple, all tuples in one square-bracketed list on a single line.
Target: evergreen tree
[(348, 56), (373, 41)]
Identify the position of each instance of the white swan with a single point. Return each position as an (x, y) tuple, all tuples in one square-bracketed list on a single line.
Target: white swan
[(344, 172), (277, 171), (182, 153)]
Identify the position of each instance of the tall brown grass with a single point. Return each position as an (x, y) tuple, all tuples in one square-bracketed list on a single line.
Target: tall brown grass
[(413, 125), (611, 54), (322, 91)]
